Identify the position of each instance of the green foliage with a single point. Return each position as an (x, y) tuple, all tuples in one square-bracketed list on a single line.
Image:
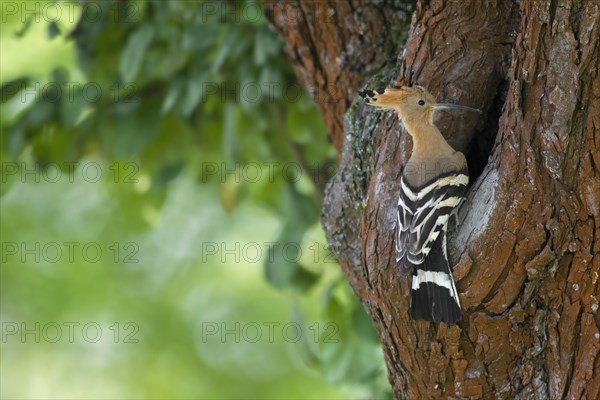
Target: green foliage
[(165, 91)]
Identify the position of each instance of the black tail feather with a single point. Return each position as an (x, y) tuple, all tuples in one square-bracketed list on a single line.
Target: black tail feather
[(433, 302)]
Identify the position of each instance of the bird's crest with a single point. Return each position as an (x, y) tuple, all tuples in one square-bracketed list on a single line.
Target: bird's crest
[(410, 102), (389, 98)]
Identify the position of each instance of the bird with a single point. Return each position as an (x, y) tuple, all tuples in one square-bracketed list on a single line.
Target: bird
[(433, 184)]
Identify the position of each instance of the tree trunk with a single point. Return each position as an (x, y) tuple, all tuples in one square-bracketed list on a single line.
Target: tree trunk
[(527, 250)]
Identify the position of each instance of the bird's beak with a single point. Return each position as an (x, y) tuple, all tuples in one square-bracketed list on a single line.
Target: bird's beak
[(445, 106)]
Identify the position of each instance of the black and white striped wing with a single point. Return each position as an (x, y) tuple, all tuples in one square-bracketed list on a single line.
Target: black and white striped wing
[(423, 214)]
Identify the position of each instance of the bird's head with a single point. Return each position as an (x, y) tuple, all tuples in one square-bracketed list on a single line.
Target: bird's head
[(412, 103)]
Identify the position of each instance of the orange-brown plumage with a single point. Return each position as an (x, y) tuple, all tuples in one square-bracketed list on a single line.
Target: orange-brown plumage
[(432, 186), (416, 108)]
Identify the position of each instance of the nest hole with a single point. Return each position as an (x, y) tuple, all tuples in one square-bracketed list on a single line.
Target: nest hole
[(482, 143)]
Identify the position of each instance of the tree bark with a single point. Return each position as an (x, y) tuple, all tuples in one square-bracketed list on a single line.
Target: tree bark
[(527, 251), (333, 47)]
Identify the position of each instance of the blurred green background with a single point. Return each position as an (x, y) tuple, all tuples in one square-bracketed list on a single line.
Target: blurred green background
[(162, 178)]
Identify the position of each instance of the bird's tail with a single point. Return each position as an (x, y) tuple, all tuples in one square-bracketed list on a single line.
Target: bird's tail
[(434, 295)]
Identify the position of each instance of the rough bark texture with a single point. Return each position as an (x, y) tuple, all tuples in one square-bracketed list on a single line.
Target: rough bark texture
[(333, 47), (527, 252)]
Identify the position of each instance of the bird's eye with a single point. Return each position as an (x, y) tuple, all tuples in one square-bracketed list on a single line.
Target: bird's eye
[(421, 102)]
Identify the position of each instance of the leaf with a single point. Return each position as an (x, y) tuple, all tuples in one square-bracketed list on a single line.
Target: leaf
[(53, 30), (9, 89), (271, 83), (25, 26), (127, 129), (362, 324), (133, 53), (298, 208), (232, 36), (228, 193), (229, 137), (304, 280), (173, 94), (281, 263), (304, 347), (167, 173), (250, 93), (73, 107), (15, 104), (260, 48), (194, 93), (337, 361)]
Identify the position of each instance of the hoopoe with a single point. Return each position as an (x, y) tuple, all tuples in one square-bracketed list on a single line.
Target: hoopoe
[(432, 186)]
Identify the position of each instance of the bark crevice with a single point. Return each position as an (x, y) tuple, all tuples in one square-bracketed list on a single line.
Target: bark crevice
[(526, 253)]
